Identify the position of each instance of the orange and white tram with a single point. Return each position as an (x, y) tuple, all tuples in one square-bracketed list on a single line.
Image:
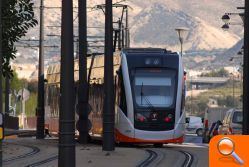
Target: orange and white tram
[(149, 96)]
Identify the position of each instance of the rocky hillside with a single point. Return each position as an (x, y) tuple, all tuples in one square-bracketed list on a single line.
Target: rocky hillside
[(155, 26), (152, 24)]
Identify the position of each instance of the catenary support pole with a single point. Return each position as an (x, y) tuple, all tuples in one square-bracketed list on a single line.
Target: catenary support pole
[(119, 34), (108, 113), (246, 72), (233, 89), (181, 41), (82, 124), (40, 105), (67, 89), (7, 92), (127, 29), (1, 78)]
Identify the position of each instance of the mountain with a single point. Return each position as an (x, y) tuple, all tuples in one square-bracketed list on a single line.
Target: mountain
[(230, 56), (210, 11), (152, 24), (155, 25)]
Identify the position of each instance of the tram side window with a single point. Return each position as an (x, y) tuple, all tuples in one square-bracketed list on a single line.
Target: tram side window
[(122, 95)]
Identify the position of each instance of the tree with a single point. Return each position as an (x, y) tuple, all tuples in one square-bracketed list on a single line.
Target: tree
[(222, 73), (32, 86), (16, 83), (17, 18), (216, 73), (229, 101)]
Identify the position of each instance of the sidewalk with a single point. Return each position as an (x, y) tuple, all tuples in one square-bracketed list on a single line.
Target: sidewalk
[(93, 156), (89, 155), (12, 134)]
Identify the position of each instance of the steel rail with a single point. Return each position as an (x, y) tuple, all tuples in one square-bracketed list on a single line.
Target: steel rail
[(34, 150), (150, 159)]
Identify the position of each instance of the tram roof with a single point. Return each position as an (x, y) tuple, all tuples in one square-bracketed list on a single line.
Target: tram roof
[(147, 51)]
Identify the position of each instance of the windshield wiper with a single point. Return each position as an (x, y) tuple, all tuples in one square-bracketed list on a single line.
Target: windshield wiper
[(149, 104), (146, 99)]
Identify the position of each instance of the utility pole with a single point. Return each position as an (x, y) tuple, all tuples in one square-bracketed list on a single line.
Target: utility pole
[(245, 129), (83, 84), (123, 35), (181, 41), (40, 105), (127, 38), (108, 113), (191, 95), (233, 88), (7, 92), (67, 89), (119, 34), (233, 93), (1, 74), (23, 108)]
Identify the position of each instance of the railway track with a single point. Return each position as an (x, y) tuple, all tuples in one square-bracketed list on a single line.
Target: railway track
[(34, 150), (150, 159), (155, 157), (42, 162), (189, 158)]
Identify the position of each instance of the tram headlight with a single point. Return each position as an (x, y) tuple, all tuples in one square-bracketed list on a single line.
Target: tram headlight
[(140, 118), (168, 118)]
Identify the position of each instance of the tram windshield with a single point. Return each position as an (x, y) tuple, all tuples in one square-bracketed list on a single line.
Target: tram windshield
[(154, 87)]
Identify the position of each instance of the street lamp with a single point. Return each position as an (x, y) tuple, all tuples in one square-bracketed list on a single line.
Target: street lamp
[(225, 18), (240, 53), (233, 83), (182, 34), (245, 18), (238, 70), (225, 27)]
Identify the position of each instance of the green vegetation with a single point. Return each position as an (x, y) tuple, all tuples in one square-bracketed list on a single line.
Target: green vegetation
[(31, 104), (16, 85), (216, 73), (17, 18), (15, 82), (220, 96), (196, 105)]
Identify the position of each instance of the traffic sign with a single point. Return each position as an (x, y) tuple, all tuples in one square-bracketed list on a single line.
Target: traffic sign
[(24, 93)]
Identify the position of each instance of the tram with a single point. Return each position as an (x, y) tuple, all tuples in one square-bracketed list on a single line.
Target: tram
[(149, 96)]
